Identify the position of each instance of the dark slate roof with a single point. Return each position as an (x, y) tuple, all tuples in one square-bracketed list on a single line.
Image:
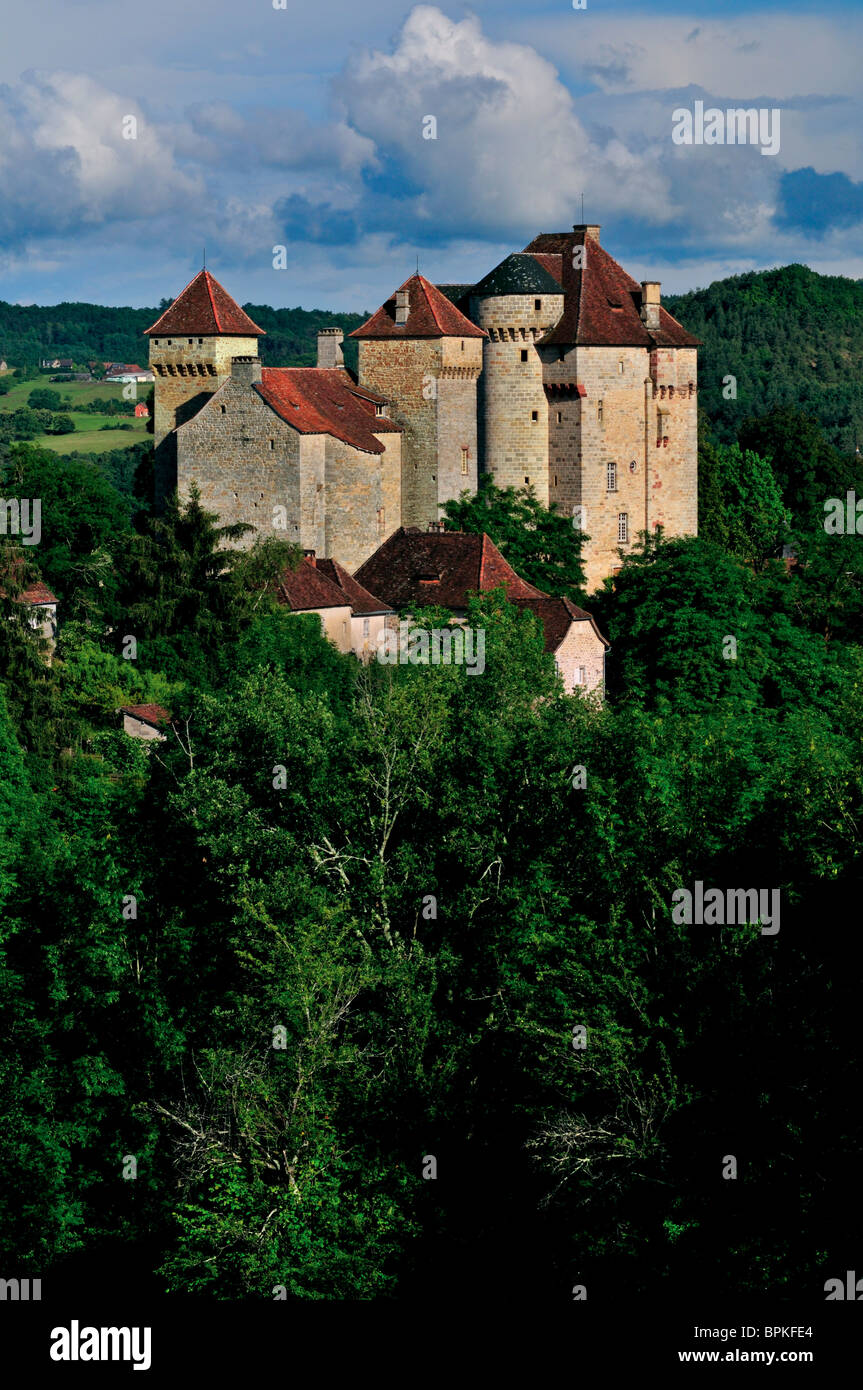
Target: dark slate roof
[(421, 568), (602, 302), (455, 293), (362, 602), (206, 309), (430, 315), (307, 588), (325, 400), (517, 274)]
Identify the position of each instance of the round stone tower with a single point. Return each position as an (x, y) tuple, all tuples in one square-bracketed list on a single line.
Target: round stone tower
[(517, 303)]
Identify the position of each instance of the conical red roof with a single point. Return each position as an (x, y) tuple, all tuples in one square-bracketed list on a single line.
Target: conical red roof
[(430, 315), (206, 309)]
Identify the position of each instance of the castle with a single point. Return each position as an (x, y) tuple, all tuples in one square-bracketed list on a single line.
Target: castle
[(556, 371)]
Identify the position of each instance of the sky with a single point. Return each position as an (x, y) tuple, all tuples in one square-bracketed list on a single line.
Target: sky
[(133, 136)]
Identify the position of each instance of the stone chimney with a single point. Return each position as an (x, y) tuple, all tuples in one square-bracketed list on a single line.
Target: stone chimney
[(246, 370), (402, 308), (330, 347), (310, 555), (650, 303), (590, 229)]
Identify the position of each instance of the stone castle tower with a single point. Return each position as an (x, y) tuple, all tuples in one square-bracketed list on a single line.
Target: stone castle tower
[(425, 357), (192, 346)]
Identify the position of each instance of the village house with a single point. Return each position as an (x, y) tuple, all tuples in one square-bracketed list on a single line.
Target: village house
[(415, 569), (350, 616), (145, 721)]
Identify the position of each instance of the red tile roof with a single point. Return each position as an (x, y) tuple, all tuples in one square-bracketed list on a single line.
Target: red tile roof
[(325, 400), (36, 593), (307, 588), (416, 567), (205, 308), (362, 602), (121, 368), (557, 616), (148, 714), (601, 305), (430, 315)]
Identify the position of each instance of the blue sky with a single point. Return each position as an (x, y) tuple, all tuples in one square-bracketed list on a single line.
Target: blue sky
[(303, 126)]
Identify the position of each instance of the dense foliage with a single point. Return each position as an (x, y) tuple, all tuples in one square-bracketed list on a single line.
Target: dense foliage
[(344, 922), (788, 337)]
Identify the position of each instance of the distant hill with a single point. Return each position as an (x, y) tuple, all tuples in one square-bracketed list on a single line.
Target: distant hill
[(790, 337), (31, 332)]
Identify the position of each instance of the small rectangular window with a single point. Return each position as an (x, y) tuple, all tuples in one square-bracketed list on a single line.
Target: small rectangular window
[(611, 476), (527, 480), (599, 411), (365, 627), (224, 409), (524, 354), (537, 304), (534, 415), (560, 417), (622, 527), (464, 459), (555, 480), (620, 367), (272, 443)]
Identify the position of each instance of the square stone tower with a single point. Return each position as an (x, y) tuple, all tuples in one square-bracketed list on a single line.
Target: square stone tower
[(425, 356), (191, 349)]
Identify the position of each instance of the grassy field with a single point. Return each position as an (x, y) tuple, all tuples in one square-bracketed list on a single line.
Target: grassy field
[(88, 437)]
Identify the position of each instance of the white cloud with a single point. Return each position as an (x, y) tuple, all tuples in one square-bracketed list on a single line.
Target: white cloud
[(510, 149)]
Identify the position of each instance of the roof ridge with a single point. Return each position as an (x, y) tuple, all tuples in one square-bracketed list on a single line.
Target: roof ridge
[(212, 300), (430, 302)]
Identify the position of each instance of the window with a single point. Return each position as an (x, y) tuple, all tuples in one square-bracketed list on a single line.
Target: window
[(200, 342), (524, 354), (620, 367), (379, 410), (272, 443), (555, 480), (170, 342), (622, 527), (464, 459), (365, 627), (534, 415), (462, 344), (537, 304), (224, 409), (156, 341), (580, 675), (560, 417), (599, 412), (191, 342), (527, 480), (611, 476)]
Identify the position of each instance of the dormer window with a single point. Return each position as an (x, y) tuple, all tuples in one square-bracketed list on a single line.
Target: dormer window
[(379, 410)]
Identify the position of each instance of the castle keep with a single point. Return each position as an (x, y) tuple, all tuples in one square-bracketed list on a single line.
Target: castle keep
[(556, 371)]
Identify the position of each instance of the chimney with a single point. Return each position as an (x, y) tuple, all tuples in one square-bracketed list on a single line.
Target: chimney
[(402, 308), (330, 347), (310, 556), (246, 370), (590, 230), (650, 303)]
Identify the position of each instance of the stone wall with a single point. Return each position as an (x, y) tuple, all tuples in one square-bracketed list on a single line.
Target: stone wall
[(431, 386), (616, 422), (512, 402), (246, 462), (187, 372), (581, 648)]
